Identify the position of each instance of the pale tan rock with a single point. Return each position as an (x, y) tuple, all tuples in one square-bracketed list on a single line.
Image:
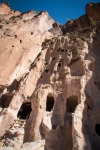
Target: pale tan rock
[(49, 85), (4, 9)]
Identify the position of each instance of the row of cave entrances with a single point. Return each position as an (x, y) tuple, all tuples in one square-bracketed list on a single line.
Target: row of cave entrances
[(25, 109), (71, 104)]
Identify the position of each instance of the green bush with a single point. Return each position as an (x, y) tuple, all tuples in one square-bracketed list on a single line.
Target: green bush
[(92, 22)]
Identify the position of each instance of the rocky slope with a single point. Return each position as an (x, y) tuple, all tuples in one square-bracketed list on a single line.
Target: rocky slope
[(49, 83)]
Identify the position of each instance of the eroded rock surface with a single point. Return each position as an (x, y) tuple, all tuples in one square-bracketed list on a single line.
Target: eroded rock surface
[(91, 17), (49, 84)]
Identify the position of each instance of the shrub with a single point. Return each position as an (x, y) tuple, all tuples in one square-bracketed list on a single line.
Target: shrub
[(92, 22)]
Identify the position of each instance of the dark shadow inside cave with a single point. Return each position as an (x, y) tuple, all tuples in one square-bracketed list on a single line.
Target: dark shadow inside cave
[(24, 111), (49, 103), (97, 129), (71, 104)]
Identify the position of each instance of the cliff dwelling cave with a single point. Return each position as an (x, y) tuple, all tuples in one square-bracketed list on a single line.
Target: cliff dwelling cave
[(49, 103), (49, 80), (71, 104), (24, 111)]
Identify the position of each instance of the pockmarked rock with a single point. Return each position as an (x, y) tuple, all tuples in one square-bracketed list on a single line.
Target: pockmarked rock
[(49, 81)]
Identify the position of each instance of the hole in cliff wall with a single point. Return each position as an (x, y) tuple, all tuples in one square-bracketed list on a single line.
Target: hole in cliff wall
[(62, 50), (49, 103), (53, 58), (31, 33), (15, 36), (5, 101), (59, 64), (97, 129), (20, 41), (47, 70), (71, 104), (24, 111)]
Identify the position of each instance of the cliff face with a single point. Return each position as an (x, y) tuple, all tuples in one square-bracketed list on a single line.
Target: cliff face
[(91, 17), (49, 84)]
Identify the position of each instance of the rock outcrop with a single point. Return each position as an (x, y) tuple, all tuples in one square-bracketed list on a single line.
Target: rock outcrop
[(4, 9), (91, 17), (49, 84)]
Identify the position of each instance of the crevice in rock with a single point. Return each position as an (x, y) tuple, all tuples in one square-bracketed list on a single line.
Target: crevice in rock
[(15, 36), (34, 62)]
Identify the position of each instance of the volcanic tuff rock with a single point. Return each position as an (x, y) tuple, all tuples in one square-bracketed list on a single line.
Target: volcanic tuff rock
[(91, 17), (49, 84), (4, 9)]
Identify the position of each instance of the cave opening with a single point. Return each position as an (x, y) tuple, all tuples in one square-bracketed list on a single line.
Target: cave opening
[(49, 103), (24, 111), (97, 129), (71, 104)]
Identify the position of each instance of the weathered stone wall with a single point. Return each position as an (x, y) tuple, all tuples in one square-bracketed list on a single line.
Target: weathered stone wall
[(57, 75), (69, 67), (91, 17)]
